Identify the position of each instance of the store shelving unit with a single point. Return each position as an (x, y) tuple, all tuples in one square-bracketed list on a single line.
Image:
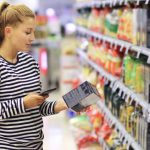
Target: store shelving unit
[(138, 49), (118, 127), (116, 83), (111, 3)]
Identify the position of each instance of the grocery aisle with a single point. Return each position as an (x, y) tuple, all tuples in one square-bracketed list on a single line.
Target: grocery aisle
[(56, 130)]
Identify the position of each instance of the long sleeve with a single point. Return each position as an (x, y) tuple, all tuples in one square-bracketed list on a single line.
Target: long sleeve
[(11, 108), (47, 108)]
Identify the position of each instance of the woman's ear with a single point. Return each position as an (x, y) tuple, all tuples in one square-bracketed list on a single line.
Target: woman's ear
[(8, 31)]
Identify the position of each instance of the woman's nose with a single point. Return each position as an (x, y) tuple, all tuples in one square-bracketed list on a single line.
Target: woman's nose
[(32, 38)]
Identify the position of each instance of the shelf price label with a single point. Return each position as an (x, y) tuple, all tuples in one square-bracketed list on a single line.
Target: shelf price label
[(126, 2), (110, 3), (148, 60), (121, 46), (121, 2), (127, 49), (127, 98), (137, 2), (147, 1), (138, 53), (148, 115), (115, 2), (103, 3)]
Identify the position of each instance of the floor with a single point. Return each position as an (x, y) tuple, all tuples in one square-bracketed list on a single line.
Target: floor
[(57, 135)]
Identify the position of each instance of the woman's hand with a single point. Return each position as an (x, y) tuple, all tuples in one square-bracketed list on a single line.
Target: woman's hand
[(83, 110), (60, 105), (33, 100)]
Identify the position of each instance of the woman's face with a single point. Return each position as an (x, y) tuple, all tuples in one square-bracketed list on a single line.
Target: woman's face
[(23, 35)]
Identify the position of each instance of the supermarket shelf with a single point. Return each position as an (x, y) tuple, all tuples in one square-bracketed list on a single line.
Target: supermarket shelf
[(123, 44), (103, 143), (124, 135), (104, 3), (116, 83), (96, 67)]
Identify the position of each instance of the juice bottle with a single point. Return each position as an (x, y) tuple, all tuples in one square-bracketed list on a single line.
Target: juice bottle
[(128, 66)]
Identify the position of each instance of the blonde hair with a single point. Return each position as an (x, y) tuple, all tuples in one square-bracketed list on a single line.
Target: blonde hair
[(12, 15)]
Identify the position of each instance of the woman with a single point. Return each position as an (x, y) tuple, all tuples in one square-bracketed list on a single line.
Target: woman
[(21, 105)]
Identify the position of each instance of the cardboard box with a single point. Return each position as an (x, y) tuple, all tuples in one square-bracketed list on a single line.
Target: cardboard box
[(84, 95), (146, 24), (147, 83)]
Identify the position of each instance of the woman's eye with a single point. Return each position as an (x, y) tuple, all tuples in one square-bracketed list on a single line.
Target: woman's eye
[(28, 33)]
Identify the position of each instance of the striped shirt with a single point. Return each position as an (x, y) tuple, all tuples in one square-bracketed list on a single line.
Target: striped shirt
[(20, 128)]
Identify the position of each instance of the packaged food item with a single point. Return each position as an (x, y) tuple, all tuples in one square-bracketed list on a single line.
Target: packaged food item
[(105, 131), (129, 111), (87, 141), (144, 134), (82, 96), (107, 93), (147, 83), (139, 78), (128, 69), (117, 102), (96, 118), (145, 15), (82, 122), (94, 17), (100, 86), (125, 28), (111, 23)]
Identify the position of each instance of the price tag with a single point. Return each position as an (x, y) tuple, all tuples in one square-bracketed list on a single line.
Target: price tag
[(111, 84), (123, 95), (148, 60), (126, 2), (111, 43), (137, 2), (125, 141), (120, 92), (100, 37), (104, 3), (121, 48), (110, 3), (128, 93), (122, 136), (114, 2), (121, 2), (128, 146), (132, 99), (115, 44), (99, 4), (147, 1), (148, 115), (115, 86), (138, 54), (104, 41), (127, 49)]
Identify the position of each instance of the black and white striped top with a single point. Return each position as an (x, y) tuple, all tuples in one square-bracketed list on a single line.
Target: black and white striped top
[(21, 129)]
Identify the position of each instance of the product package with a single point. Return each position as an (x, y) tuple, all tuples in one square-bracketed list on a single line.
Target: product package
[(147, 83), (144, 134), (82, 96)]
